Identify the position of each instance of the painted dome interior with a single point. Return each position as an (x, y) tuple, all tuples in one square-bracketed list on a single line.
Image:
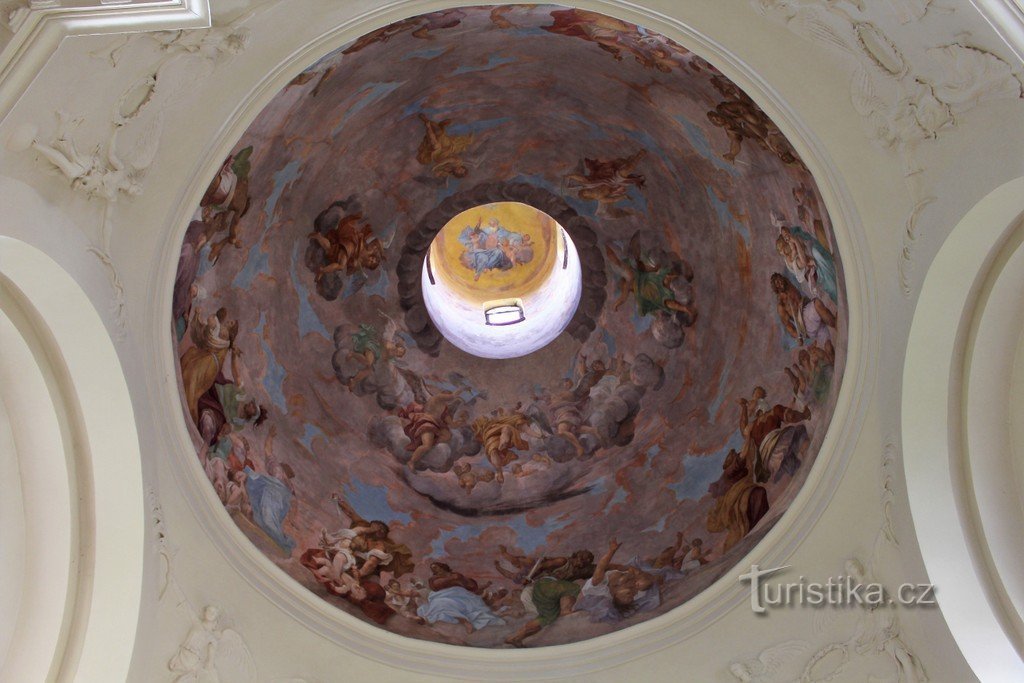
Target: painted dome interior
[(615, 472)]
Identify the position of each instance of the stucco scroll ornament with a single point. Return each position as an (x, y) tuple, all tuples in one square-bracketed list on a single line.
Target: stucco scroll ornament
[(878, 632), (17, 15), (106, 173), (907, 94), (771, 665), (215, 44)]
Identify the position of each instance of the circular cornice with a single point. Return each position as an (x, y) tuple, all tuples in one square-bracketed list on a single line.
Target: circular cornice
[(605, 651)]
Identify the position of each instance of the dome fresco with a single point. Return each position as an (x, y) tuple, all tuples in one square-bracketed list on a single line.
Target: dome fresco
[(596, 483)]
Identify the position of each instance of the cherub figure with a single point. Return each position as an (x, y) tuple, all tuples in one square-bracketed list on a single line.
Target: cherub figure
[(441, 151), (403, 601), (660, 283), (607, 182), (105, 175), (349, 246), (468, 478)]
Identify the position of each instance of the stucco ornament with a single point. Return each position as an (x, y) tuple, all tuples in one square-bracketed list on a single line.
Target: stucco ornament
[(105, 173), (210, 655), (907, 93), (771, 665), (875, 633)]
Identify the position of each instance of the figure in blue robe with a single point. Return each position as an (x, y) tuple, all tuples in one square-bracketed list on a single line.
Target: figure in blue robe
[(270, 499)]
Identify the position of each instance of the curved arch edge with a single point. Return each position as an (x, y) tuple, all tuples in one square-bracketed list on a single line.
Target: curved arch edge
[(942, 497), (90, 395)]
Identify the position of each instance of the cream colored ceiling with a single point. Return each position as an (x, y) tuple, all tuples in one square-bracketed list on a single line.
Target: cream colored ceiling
[(908, 114)]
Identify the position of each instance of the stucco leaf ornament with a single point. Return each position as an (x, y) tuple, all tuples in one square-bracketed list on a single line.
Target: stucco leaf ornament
[(770, 664)]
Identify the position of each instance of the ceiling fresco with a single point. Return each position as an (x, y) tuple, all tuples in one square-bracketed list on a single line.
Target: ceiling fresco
[(591, 485)]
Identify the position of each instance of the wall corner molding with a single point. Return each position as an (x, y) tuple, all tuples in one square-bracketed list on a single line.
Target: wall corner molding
[(39, 28)]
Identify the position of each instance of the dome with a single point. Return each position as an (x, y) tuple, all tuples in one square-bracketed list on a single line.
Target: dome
[(630, 455)]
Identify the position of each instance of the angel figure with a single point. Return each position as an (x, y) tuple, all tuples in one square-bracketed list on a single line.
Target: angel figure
[(343, 249), (607, 182), (429, 423), (349, 246), (878, 631), (211, 655), (104, 175), (216, 43), (500, 433), (226, 201), (742, 119), (769, 665), (661, 285), (469, 478), (441, 151)]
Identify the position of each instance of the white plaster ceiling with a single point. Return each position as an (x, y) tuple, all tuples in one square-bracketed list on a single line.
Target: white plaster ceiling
[(908, 114)]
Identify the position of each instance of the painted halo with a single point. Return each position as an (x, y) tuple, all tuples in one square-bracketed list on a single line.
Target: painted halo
[(466, 500)]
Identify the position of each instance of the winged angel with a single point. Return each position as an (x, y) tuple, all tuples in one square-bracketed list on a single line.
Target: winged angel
[(769, 665), (211, 655)]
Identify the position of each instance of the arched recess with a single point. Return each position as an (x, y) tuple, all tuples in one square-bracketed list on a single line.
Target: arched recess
[(966, 482), (72, 438)]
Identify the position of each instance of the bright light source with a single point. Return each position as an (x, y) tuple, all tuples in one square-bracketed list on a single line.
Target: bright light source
[(504, 313), (490, 264)]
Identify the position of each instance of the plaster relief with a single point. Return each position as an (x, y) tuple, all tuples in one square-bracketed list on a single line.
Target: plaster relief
[(872, 638), (113, 169), (211, 653), (907, 94)]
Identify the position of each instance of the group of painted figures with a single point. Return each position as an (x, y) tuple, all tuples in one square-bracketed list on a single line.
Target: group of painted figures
[(776, 436), (431, 424), (362, 565)]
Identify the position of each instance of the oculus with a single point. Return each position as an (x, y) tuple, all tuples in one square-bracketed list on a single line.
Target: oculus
[(499, 265)]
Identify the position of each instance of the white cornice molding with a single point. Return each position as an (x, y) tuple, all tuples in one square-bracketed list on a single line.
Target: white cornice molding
[(1007, 19), (42, 26)]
